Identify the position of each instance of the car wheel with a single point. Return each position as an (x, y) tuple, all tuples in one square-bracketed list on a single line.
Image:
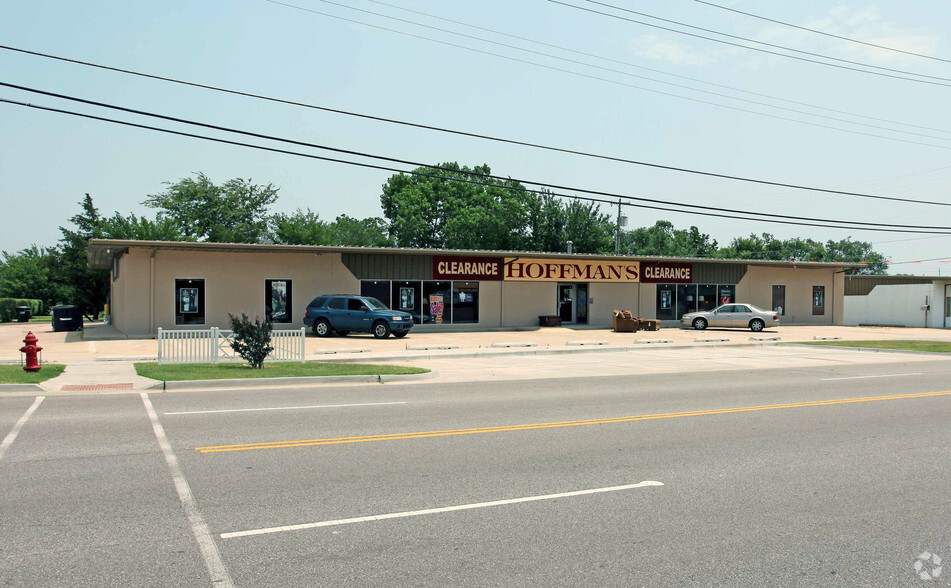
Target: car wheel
[(401, 335), (381, 330), (756, 325), (700, 323), (322, 328), (343, 333)]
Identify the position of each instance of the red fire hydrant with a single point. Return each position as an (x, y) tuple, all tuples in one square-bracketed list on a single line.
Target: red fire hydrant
[(31, 350)]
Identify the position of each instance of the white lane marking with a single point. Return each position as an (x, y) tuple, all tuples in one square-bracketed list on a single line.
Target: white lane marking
[(416, 513), (12, 435), (283, 408), (866, 377), (206, 542)]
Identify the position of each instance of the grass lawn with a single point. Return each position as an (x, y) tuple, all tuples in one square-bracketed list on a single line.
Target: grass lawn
[(222, 371), (936, 346), (43, 318), (14, 374)]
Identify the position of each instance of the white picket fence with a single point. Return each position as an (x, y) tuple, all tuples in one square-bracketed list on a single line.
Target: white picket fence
[(214, 346)]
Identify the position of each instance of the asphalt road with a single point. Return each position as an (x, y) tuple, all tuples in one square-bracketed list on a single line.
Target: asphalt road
[(824, 493)]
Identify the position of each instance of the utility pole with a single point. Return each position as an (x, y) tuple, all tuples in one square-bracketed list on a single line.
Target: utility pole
[(621, 221)]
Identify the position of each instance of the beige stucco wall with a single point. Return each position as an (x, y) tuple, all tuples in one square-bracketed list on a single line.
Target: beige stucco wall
[(234, 282), (524, 302), (607, 297), (756, 287)]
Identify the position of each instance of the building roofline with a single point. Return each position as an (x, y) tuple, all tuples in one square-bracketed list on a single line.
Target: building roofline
[(102, 252)]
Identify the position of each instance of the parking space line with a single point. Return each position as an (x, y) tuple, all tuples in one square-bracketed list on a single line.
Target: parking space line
[(12, 435), (282, 408), (206, 542), (427, 511)]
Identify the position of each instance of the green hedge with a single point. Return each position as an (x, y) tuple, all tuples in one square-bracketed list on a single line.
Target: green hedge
[(8, 308)]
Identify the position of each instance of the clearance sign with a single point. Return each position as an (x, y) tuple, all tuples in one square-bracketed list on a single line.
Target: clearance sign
[(518, 269)]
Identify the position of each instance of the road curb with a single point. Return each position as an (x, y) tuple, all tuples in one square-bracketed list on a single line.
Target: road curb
[(290, 381), (21, 388), (871, 349)]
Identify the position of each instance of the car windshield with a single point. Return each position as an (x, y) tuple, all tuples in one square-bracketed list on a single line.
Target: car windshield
[(757, 309), (376, 304)]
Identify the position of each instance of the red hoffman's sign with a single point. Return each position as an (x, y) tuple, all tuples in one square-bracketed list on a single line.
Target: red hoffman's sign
[(668, 273), (452, 267)]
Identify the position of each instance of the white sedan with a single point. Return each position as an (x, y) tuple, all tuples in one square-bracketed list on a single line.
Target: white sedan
[(743, 316)]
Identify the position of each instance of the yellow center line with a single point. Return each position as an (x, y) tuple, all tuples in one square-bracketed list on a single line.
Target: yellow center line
[(553, 425)]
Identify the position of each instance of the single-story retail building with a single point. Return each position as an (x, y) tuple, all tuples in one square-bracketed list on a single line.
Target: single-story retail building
[(898, 301), (180, 285)]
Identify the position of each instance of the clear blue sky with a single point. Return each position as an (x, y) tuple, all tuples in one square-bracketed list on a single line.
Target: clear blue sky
[(48, 161)]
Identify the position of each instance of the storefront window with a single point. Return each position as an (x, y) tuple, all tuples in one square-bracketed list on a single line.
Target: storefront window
[(277, 301), (189, 302), (407, 296), (686, 299), (706, 297), (818, 300), (779, 299), (665, 301), (726, 295), (465, 302), (436, 305), (379, 289), (676, 300)]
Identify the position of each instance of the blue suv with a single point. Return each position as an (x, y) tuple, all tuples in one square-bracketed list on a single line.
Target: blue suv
[(344, 313)]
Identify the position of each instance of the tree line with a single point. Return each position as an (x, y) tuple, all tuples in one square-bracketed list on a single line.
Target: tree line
[(441, 207)]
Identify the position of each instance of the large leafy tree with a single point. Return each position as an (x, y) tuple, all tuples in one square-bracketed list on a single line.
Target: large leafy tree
[(86, 288), (453, 206), (846, 250), (664, 240), (304, 227), (234, 212), (352, 232), (588, 229), (32, 273), (301, 227), (456, 207)]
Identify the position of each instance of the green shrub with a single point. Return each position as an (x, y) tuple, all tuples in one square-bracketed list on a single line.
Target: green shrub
[(252, 341), (8, 309)]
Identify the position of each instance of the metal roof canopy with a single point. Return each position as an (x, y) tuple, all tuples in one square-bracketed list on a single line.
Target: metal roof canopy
[(102, 252)]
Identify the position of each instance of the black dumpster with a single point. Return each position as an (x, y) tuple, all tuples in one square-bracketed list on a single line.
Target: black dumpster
[(23, 314), (67, 317)]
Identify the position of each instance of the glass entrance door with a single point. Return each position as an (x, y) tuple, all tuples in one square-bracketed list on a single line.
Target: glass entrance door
[(566, 302)]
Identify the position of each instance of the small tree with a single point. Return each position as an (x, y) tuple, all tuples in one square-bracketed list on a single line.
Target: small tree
[(251, 340)]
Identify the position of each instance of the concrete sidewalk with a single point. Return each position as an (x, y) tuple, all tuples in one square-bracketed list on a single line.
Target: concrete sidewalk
[(96, 364)]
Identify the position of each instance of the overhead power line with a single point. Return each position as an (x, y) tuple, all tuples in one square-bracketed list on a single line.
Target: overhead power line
[(732, 215), (650, 69), (932, 80), (420, 164), (627, 74), (477, 135), (827, 34)]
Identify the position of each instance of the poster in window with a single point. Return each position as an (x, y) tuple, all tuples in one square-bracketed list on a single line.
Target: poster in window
[(665, 299), (407, 299), (188, 301), (278, 297), (436, 307)]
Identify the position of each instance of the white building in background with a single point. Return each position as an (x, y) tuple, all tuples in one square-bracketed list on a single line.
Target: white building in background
[(898, 301)]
